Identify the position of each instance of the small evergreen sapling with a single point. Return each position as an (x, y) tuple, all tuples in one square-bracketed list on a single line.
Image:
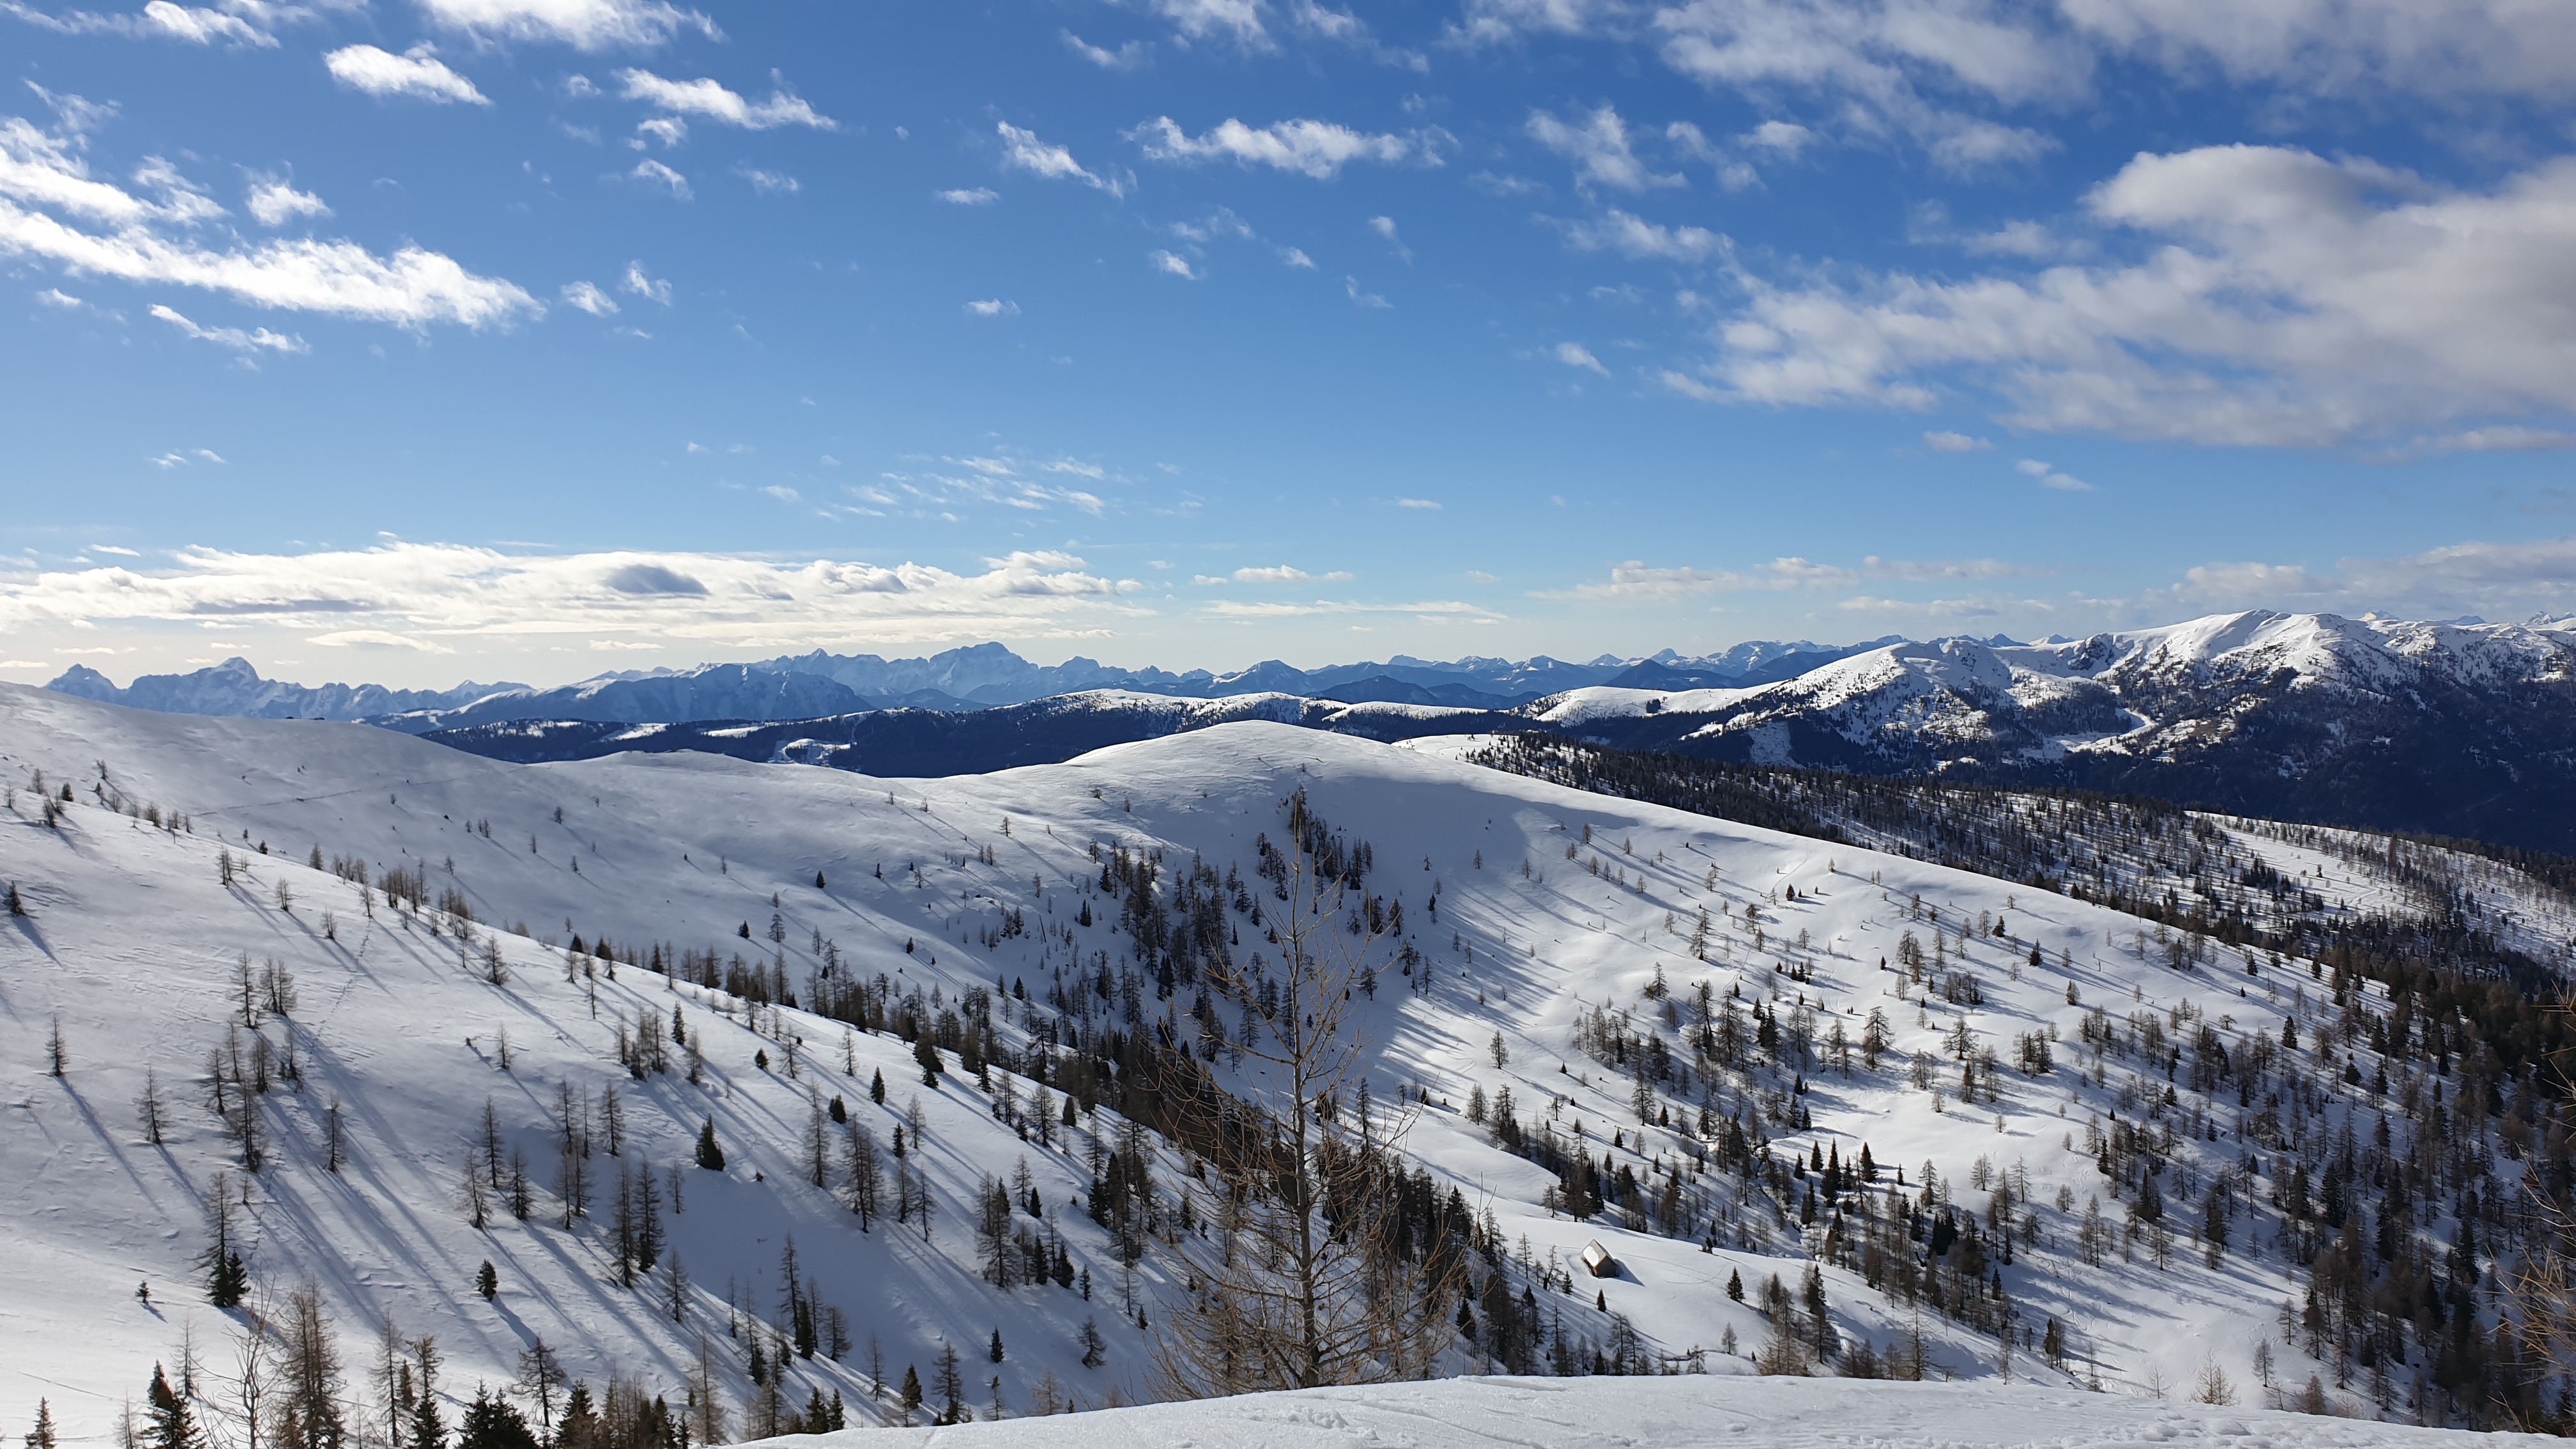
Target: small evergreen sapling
[(487, 1281), (710, 1156)]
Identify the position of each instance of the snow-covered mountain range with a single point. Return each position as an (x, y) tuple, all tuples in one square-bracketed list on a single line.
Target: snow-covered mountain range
[(811, 685), (2451, 729), (323, 949), (2459, 729)]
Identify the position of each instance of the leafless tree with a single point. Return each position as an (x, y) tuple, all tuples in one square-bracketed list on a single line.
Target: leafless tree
[(1307, 1279)]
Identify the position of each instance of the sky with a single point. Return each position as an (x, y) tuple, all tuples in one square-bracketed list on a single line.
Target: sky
[(422, 340)]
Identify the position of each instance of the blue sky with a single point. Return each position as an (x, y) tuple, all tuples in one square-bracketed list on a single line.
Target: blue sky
[(421, 339)]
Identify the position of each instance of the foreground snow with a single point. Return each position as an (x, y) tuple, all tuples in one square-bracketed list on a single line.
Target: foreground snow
[(1675, 1413)]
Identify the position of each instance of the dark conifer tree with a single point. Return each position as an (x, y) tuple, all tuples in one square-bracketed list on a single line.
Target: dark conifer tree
[(492, 1423), (710, 1156), (173, 1426)]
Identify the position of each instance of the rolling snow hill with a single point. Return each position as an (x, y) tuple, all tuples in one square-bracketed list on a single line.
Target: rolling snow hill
[(1593, 957)]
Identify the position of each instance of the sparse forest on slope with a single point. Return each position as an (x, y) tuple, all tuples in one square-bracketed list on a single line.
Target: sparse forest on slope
[(1822, 1108)]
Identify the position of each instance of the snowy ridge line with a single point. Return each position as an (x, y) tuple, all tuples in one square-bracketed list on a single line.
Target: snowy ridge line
[(1713, 1136)]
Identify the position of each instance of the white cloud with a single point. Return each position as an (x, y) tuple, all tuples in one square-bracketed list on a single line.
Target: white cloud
[(1174, 266), (1494, 22), (970, 196), (203, 27), (2049, 477), (993, 307), (1479, 576), (1869, 57), (2289, 299), (1635, 580), (654, 173), (1424, 504), (2434, 47), (378, 639), (1575, 354), (2488, 440), (1296, 257), (582, 24), (1279, 574), (1946, 442), (1632, 236), (769, 183), (258, 339), (1311, 148), (1024, 150), (708, 99), (2496, 580), (448, 595), (152, 241), (669, 130), (57, 297), (636, 283), (417, 74), (1787, 138), (1125, 58), (588, 297), (1428, 609), (1598, 146), (275, 203), (1235, 20), (1370, 300)]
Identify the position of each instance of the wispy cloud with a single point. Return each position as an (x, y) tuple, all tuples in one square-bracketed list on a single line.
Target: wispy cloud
[(1319, 149), (2049, 477), (993, 307), (1127, 57), (969, 196), (275, 203), (1636, 580), (582, 24), (709, 100), (1575, 354), (258, 339), (589, 298), (448, 594), (418, 74), (1023, 150), (1632, 236), (52, 209), (654, 173)]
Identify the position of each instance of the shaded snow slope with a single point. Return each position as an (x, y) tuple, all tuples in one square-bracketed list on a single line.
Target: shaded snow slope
[(1553, 908)]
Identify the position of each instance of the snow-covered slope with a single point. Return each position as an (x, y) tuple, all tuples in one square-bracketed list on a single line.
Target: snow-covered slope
[(1549, 919), (1684, 1413)]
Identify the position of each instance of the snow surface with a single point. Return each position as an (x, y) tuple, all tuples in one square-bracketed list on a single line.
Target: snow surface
[(1677, 1413), (131, 943)]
